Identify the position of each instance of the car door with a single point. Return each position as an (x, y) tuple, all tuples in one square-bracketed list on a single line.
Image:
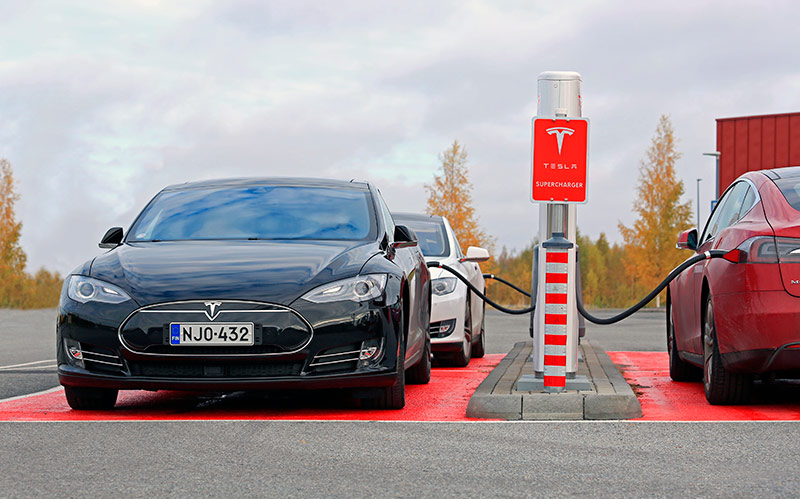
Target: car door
[(408, 259), (725, 214)]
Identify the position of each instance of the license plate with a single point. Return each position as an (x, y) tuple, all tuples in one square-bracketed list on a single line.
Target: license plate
[(199, 333)]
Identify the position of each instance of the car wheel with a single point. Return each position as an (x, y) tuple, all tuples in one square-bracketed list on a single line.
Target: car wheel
[(721, 386), (90, 399), (462, 358), (420, 374), (678, 369), (479, 346), (392, 397)]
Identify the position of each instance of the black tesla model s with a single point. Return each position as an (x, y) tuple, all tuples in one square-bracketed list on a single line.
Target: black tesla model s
[(250, 284)]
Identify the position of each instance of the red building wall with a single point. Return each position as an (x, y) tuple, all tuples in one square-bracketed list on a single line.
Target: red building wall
[(755, 143)]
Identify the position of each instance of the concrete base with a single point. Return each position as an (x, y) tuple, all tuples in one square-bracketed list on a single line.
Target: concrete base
[(512, 390), (528, 383)]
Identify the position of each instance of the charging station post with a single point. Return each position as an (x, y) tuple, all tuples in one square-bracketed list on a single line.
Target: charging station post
[(559, 154)]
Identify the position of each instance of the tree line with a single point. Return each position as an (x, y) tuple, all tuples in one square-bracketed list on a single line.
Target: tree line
[(19, 289)]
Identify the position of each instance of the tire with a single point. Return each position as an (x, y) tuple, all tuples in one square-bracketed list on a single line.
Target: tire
[(479, 346), (462, 358), (91, 399), (679, 370), (392, 397), (420, 374), (721, 386)]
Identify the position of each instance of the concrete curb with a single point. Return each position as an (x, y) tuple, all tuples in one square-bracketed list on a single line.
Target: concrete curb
[(610, 398)]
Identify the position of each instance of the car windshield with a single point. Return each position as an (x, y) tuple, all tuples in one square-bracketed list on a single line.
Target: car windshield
[(256, 212), (431, 236)]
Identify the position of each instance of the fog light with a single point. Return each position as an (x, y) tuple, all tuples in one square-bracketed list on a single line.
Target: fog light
[(443, 328), (368, 353), (74, 352), (371, 352)]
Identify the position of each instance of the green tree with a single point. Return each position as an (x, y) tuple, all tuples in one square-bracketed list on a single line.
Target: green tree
[(12, 258), (650, 243)]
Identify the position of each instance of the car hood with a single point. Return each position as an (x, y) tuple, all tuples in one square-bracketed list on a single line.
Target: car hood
[(271, 271)]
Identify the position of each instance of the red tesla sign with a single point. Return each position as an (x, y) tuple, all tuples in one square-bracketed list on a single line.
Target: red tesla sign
[(560, 156)]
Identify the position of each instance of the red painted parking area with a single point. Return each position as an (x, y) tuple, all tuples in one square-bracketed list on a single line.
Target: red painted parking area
[(665, 400), (445, 398)]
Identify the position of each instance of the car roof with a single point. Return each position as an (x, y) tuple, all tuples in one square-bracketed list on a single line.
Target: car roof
[(254, 181), (784, 172), (418, 217)]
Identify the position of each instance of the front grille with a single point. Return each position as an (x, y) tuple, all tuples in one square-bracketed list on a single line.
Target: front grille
[(339, 359), (442, 329), (277, 329), (191, 370), (214, 350)]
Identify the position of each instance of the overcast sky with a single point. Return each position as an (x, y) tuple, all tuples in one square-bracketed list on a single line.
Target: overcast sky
[(102, 104)]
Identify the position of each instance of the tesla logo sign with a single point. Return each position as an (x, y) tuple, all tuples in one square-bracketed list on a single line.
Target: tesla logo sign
[(211, 307), (560, 157), (560, 131)]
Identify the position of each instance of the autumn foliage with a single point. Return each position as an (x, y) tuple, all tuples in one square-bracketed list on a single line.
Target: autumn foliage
[(450, 196), (17, 288), (650, 243)]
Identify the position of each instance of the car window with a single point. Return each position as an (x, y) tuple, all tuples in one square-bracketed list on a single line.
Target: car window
[(387, 216), (749, 200), (431, 235), (727, 211), (256, 212), (790, 188)]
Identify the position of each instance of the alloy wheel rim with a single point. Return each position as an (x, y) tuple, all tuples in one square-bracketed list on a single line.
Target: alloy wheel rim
[(708, 347), (467, 332)]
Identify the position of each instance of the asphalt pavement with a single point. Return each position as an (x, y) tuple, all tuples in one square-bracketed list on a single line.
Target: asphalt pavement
[(361, 459)]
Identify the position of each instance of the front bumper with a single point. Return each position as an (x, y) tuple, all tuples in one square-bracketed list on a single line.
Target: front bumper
[(72, 376), (140, 357), (447, 307)]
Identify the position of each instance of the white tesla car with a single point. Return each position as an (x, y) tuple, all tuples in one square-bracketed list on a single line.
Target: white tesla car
[(457, 329)]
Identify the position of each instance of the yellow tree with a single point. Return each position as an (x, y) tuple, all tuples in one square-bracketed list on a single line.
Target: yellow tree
[(12, 258), (650, 243), (450, 196)]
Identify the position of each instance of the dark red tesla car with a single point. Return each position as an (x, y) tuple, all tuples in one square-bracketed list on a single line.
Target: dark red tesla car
[(736, 318)]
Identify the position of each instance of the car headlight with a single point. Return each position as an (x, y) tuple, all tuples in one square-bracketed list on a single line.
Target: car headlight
[(358, 289), (443, 285), (85, 289)]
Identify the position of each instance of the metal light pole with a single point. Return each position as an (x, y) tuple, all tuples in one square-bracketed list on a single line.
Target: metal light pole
[(698, 204), (716, 154)]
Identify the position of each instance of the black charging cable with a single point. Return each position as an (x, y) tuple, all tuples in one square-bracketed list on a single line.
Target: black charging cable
[(480, 293), (672, 275), (591, 318)]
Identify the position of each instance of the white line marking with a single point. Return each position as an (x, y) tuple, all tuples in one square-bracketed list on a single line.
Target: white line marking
[(43, 392), (28, 368), (27, 364)]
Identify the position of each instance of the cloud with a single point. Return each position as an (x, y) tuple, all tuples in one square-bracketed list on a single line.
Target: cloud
[(103, 105)]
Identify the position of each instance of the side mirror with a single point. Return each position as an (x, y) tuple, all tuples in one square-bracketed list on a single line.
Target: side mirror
[(476, 254), (687, 240), (404, 237), (112, 239)]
